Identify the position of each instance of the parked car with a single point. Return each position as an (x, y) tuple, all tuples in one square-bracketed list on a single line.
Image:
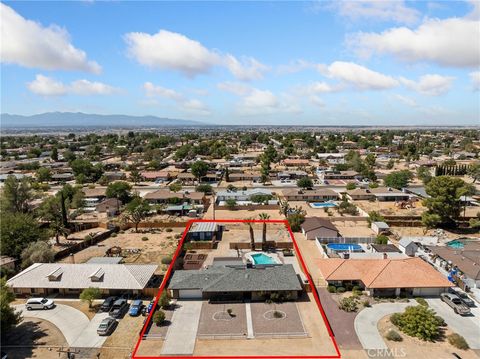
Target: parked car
[(150, 306), (106, 326), (107, 304), (135, 308), (469, 302), (455, 302), (39, 303), (119, 307)]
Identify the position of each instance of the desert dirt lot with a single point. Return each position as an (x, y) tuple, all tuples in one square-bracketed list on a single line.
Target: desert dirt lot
[(160, 243), (416, 348), (390, 209), (34, 338)]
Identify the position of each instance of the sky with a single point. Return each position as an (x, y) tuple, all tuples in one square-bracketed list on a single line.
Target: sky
[(246, 63)]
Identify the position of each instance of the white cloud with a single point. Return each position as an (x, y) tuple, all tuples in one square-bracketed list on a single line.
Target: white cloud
[(317, 101), (237, 88), (168, 50), (48, 86), (449, 42), (193, 106), (263, 102), (406, 100), (431, 85), (29, 44), (475, 79), (359, 76), (379, 10)]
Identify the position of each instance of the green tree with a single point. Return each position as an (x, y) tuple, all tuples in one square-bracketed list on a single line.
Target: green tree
[(164, 300), (199, 169), (120, 190), (90, 294), (430, 220), (175, 187), (444, 200), (159, 317), (305, 182), (351, 186), (43, 174), (136, 211), (474, 171), (381, 239), (135, 176), (16, 195), (9, 318), (295, 221), (231, 203), (78, 200), (374, 216), (37, 252), (51, 211), (398, 179), (423, 174), (418, 321), (370, 160), (17, 231), (390, 164), (54, 154), (264, 217), (84, 171), (204, 188)]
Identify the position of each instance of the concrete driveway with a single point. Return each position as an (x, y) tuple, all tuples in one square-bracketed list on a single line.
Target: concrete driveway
[(70, 321), (75, 326), (367, 320), (467, 326), (182, 333)]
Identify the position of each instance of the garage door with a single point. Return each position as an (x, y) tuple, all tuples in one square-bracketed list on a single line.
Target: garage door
[(190, 294)]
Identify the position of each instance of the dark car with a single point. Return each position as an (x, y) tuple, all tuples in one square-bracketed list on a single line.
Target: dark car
[(466, 299), (107, 304), (119, 307), (135, 308)]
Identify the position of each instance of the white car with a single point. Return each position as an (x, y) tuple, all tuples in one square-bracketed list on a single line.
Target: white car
[(39, 303)]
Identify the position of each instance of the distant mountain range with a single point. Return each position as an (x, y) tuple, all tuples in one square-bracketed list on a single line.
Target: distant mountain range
[(79, 119)]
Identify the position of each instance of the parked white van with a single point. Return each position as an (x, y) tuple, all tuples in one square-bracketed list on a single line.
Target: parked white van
[(39, 303)]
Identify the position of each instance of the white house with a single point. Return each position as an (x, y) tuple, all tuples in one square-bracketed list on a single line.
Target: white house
[(408, 246)]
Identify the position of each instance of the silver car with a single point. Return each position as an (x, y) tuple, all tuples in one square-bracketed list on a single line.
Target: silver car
[(456, 303), (39, 303), (106, 326)]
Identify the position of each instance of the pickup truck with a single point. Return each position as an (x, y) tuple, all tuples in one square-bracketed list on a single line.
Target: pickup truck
[(119, 308), (456, 303)]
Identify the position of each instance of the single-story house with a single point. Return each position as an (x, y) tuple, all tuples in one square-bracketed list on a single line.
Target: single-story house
[(62, 177), (111, 206), (385, 194), (296, 162), (186, 178), (69, 278), (334, 175), (314, 195), (166, 196), (385, 277), (291, 175), (157, 176), (315, 227), (240, 196), (224, 282), (466, 260), (244, 176), (7, 262), (203, 231), (115, 176), (360, 194), (332, 158), (380, 227), (408, 246)]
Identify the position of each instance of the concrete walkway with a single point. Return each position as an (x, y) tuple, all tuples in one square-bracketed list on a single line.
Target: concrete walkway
[(367, 320), (182, 333), (248, 312), (467, 326), (89, 337), (70, 321)]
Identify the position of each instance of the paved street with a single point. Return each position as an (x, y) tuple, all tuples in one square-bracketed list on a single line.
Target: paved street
[(182, 333)]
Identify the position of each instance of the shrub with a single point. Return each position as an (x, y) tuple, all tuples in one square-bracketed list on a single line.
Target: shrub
[(164, 300), (166, 260), (348, 304), (89, 295), (366, 303), (440, 321), (395, 319), (340, 290), (168, 230), (393, 336), (458, 341), (418, 321), (331, 289), (159, 317), (277, 314), (356, 288), (422, 301), (144, 239), (113, 235)]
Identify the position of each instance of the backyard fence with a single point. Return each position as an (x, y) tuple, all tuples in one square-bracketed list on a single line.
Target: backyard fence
[(357, 240)]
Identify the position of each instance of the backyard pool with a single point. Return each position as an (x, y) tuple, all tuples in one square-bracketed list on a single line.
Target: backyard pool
[(342, 247), (456, 244), (261, 258), (323, 205)]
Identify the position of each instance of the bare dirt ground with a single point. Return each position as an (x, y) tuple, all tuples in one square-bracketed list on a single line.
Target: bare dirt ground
[(390, 209), (354, 228), (161, 243), (241, 214), (416, 348), (34, 338), (419, 231)]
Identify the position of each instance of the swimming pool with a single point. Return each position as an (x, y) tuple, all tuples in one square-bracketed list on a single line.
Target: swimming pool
[(261, 258), (322, 205), (340, 247), (456, 244)]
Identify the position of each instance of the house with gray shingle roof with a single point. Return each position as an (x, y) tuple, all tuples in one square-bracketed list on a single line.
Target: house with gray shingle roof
[(224, 282)]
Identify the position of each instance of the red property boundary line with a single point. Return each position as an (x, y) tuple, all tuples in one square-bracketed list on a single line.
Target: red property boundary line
[(304, 267)]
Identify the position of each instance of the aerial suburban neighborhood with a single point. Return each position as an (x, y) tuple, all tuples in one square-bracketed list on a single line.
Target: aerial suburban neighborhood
[(240, 179)]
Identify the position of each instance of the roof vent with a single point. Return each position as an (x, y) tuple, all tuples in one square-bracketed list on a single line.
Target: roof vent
[(56, 275), (97, 276)]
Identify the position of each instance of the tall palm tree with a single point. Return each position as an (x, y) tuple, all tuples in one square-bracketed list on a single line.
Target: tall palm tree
[(284, 208), (264, 217), (252, 236)]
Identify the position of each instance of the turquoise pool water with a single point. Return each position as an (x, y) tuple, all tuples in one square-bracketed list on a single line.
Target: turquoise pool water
[(323, 205), (455, 244), (261, 258)]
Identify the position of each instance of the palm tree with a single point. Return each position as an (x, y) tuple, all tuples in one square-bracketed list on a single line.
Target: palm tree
[(252, 236), (284, 208), (264, 217)]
